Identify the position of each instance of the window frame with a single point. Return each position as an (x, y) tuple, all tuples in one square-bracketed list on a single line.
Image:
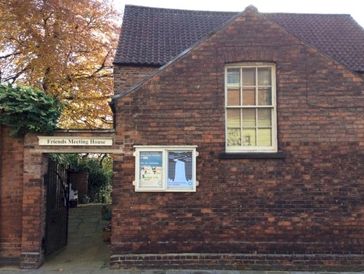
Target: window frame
[(164, 150), (273, 106)]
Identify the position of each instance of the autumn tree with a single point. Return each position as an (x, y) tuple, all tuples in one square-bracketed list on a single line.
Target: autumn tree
[(65, 48)]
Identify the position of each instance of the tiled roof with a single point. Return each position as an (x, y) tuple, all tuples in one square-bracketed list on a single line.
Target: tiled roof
[(154, 36), (336, 35)]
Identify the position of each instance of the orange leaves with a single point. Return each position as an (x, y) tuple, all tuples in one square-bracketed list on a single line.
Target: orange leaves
[(64, 48)]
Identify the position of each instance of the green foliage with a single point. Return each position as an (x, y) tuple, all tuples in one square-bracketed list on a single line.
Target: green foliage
[(25, 109), (99, 168), (98, 180), (71, 160)]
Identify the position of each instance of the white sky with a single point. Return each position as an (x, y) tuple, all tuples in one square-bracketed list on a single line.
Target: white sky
[(353, 7)]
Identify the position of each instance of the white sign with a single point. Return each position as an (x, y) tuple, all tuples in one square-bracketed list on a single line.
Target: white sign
[(74, 141)]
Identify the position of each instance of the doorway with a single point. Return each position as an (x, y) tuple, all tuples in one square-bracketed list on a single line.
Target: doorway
[(78, 210), (57, 206)]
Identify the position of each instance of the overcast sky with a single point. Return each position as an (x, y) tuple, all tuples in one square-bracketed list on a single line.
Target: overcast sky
[(353, 7)]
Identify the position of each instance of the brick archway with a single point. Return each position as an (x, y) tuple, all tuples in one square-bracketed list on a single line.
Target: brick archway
[(32, 197)]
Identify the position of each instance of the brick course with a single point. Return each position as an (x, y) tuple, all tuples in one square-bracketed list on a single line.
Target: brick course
[(310, 202), (230, 261)]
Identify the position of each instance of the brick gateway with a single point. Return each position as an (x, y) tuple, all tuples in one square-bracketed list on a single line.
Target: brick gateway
[(23, 164)]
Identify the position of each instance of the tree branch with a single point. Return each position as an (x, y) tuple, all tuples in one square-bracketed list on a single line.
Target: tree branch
[(71, 98), (12, 79), (103, 119), (10, 54)]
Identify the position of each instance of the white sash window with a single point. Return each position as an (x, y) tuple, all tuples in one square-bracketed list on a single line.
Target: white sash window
[(250, 104)]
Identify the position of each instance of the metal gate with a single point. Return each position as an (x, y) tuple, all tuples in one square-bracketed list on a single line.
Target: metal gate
[(56, 181)]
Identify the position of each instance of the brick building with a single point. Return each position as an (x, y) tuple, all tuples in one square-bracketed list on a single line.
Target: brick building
[(243, 140), (238, 143)]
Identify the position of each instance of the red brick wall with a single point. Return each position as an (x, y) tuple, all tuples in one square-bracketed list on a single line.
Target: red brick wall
[(11, 186), (311, 202), (127, 76)]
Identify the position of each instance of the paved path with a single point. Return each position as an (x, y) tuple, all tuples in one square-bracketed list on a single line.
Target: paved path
[(85, 250), (85, 246)]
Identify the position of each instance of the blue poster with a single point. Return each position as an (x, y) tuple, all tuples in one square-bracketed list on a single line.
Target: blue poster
[(180, 170), (150, 169)]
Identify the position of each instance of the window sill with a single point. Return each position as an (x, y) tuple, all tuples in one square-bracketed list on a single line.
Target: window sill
[(252, 155)]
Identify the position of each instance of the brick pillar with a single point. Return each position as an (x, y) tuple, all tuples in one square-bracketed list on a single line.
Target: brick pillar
[(1, 183), (1, 151), (33, 207)]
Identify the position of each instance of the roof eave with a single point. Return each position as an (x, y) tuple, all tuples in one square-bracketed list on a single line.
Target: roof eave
[(131, 64)]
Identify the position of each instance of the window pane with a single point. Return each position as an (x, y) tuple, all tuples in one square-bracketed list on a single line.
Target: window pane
[(248, 137), (150, 169), (264, 117), (248, 117), (264, 76), (233, 77), (180, 170), (264, 137), (249, 96), (233, 118), (233, 137), (249, 77), (233, 97), (265, 96)]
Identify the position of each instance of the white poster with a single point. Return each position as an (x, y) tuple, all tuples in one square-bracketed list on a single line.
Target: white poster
[(151, 171)]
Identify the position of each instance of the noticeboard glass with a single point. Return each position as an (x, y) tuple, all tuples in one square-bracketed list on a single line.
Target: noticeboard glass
[(151, 169), (180, 170)]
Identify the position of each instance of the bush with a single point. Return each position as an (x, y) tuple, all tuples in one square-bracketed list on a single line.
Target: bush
[(25, 109)]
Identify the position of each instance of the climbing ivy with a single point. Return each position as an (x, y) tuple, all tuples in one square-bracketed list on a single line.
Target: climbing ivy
[(25, 109)]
